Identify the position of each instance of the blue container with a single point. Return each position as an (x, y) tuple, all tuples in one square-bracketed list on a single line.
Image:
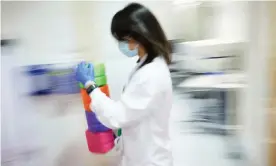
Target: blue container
[(94, 125), (40, 80), (63, 81)]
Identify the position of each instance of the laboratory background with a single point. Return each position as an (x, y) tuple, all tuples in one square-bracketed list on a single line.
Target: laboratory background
[(223, 74)]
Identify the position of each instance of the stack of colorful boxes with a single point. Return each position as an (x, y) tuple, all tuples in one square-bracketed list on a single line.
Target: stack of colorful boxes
[(100, 139)]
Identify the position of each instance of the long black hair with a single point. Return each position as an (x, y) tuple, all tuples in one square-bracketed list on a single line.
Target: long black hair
[(137, 22)]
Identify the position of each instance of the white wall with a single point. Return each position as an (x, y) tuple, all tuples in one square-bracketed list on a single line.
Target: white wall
[(44, 30), (185, 22), (231, 21), (253, 112), (206, 20)]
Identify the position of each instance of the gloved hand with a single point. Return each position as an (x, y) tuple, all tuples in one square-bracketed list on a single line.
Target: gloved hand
[(85, 72)]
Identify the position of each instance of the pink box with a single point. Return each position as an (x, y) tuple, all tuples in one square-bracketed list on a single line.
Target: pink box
[(101, 142)]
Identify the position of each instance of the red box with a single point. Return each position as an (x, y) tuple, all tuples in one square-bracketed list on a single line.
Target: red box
[(101, 142)]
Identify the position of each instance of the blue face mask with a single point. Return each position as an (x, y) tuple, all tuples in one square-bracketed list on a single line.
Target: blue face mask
[(123, 46)]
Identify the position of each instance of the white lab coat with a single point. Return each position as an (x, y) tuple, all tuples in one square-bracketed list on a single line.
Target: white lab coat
[(143, 114)]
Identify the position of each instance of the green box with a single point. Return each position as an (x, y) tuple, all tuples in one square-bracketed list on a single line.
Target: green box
[(99, 69), (101, 81), (99, 73)]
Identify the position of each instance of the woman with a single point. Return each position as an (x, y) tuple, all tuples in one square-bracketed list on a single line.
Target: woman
[(144, 108)]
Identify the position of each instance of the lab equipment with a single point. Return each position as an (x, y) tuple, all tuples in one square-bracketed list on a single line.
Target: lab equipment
[(213, 113), (225, 88), (211, 55)]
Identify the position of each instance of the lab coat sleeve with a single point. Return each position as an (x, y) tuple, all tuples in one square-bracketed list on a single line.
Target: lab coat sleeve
[(134, 105)]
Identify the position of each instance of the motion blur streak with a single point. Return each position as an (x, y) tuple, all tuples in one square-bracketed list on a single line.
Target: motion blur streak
[(223, 73)]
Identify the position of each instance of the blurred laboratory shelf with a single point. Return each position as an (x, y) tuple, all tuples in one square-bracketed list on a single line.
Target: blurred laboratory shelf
[(215, 81), (196, 149), (228, 83)]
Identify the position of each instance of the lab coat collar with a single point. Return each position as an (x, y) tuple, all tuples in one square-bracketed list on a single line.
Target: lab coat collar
[(139, 63), (142, 60)]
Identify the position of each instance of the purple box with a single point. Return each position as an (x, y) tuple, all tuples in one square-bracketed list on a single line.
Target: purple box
[(94, 125)]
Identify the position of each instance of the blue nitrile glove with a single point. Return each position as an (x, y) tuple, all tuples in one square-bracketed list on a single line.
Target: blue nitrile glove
[(85, 72)]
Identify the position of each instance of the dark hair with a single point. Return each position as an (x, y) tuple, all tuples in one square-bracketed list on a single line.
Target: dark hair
[(137, 22)]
